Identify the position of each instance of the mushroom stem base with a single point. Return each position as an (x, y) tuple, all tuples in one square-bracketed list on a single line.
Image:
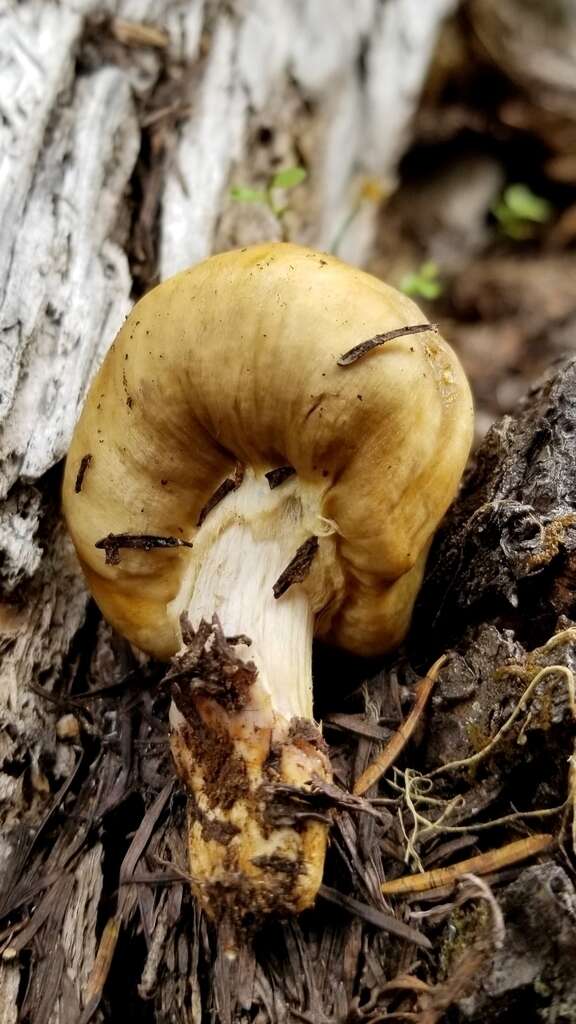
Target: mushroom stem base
[(256, 844)]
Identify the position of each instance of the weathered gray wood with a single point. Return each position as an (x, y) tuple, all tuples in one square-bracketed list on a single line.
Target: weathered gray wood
[(79, 926), (69, 150), (9, 982), (36, 634)]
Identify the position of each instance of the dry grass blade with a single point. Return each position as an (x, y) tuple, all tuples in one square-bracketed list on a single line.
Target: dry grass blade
[(394, 748), (483, 864), (358, 725), (376, 917), (144, 833), (226, 487), (9, 893), (52, 901), (101, 968)]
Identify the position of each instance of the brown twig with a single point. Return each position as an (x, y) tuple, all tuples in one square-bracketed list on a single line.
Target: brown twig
[(275, 477), (380, 339), (483, 864), (136, 541), (226, 487), (298, 567), (394, 748), (84, 463)]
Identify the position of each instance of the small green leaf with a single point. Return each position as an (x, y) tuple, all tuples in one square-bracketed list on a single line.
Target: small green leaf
[(289, 177), (430, 289), (247, 195), (524, 205), (518, 211), (423, 283)]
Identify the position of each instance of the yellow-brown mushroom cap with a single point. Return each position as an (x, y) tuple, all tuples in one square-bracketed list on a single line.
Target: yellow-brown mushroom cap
[(236, 360)]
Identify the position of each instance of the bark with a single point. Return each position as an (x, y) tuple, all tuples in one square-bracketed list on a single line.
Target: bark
[(124, 124)]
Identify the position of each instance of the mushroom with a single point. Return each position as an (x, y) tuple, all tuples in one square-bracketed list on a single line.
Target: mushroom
[(264, 456)]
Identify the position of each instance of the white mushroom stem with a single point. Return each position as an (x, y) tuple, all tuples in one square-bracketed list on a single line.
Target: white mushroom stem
[(236, 581), (245, 544), (241, 737)]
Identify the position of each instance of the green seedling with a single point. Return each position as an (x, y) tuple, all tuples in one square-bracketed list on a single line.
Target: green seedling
[(423, 283), (282, 181), (519, 211)]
